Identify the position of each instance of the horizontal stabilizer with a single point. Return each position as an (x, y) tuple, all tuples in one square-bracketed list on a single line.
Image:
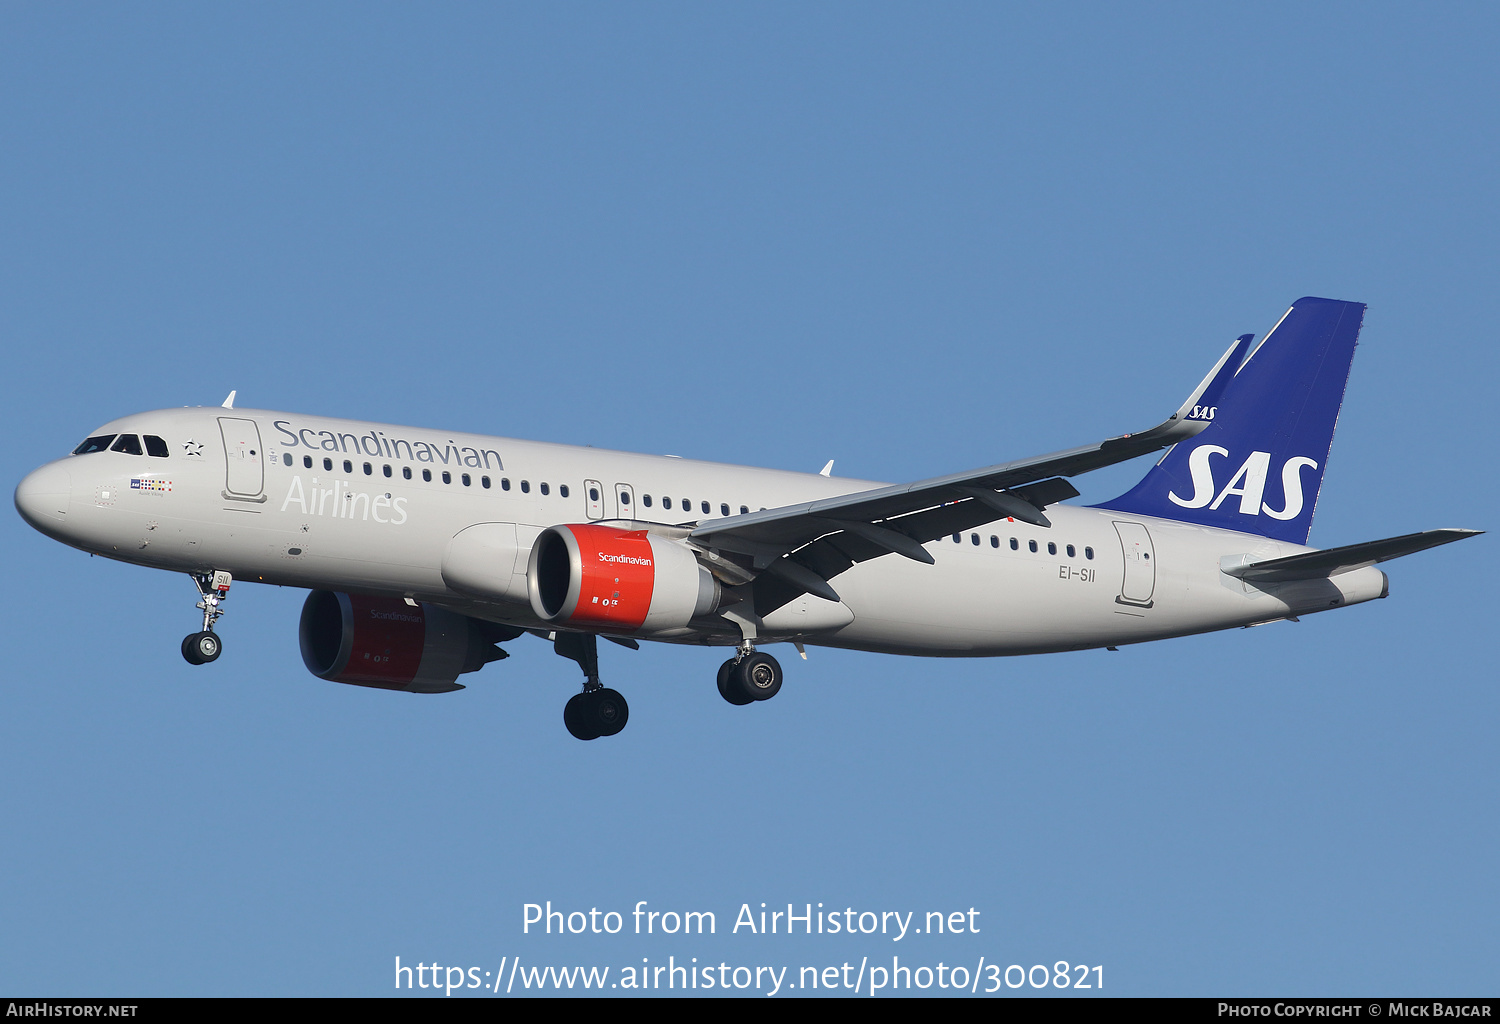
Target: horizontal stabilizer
[(1317, 565)]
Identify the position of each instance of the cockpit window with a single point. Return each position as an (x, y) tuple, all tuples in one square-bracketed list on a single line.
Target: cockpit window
[(94, 444), (156, 447), (129, 444)]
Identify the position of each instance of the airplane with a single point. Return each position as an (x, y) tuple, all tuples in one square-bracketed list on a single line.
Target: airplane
[(423, 550)]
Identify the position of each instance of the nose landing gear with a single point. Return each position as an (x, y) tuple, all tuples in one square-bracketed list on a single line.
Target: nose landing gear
[(204, 647)]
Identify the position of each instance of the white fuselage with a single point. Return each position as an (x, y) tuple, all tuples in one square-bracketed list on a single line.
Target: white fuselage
[(328, 504)]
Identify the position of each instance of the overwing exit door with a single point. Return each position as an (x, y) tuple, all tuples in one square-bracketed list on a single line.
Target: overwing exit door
[(625, 495), (593, 496)]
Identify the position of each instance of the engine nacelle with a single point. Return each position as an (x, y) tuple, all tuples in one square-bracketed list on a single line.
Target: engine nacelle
[(385, 642), (627, 581)]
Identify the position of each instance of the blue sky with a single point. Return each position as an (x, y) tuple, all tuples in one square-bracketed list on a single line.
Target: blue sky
[(911, 240)]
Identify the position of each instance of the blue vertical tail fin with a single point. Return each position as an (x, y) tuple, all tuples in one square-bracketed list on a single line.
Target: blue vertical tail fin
[(1258, 467)]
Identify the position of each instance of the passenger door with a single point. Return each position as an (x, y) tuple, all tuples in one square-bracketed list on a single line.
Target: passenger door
[(1139, 581), (245, 477)]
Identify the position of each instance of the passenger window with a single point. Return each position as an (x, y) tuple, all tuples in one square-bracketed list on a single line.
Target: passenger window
[(647, 499), (666, 503), (348, 466), (525, 486), (687, 506), (368, 470), (94, 444), (958, 538), (744, 510), (427, 475), (386, 470), (706, 507), (1088, 553), (1031, 544), (406, 472), (593, 494), (307, 462), (1015, 545), (328, 465), (157, 448), (1051, 548), (624, 497), (1071, 551), (994, 541), (447, 477), (724, 509), (484, 482), (545, 489), (505, 483), (562, 490), (975, 538), (466, 480), (286, 458), (129, 444)]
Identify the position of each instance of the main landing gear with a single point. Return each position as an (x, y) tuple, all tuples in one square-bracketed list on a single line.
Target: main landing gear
[(598, 710), (749, 676), (204, 647)]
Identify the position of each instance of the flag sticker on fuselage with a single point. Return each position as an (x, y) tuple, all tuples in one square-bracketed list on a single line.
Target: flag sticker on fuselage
[(150, 483)]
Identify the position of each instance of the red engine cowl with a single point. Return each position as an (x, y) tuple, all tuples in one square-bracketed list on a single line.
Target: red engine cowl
[(627, 581), (385, 642)]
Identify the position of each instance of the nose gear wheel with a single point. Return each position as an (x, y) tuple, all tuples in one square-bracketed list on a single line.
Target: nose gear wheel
[(201, 648)]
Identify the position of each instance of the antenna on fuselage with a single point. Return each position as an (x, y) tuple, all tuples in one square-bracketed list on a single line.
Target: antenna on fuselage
[(827, 470), (229, 402)]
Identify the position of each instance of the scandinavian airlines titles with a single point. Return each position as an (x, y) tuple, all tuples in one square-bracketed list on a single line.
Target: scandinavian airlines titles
[(340, 503)]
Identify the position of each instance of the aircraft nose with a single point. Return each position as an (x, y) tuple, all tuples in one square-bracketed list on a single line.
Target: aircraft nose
[(42, 498)]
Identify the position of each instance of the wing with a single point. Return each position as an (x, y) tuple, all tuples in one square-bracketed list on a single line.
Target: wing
[(797, 549)]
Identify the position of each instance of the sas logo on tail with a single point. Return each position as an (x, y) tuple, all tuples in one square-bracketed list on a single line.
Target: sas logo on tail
[(1248, 483)]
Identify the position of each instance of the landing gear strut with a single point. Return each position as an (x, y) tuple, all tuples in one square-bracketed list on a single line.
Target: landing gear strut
[(749, 676), (598, 710), (204, 647)]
